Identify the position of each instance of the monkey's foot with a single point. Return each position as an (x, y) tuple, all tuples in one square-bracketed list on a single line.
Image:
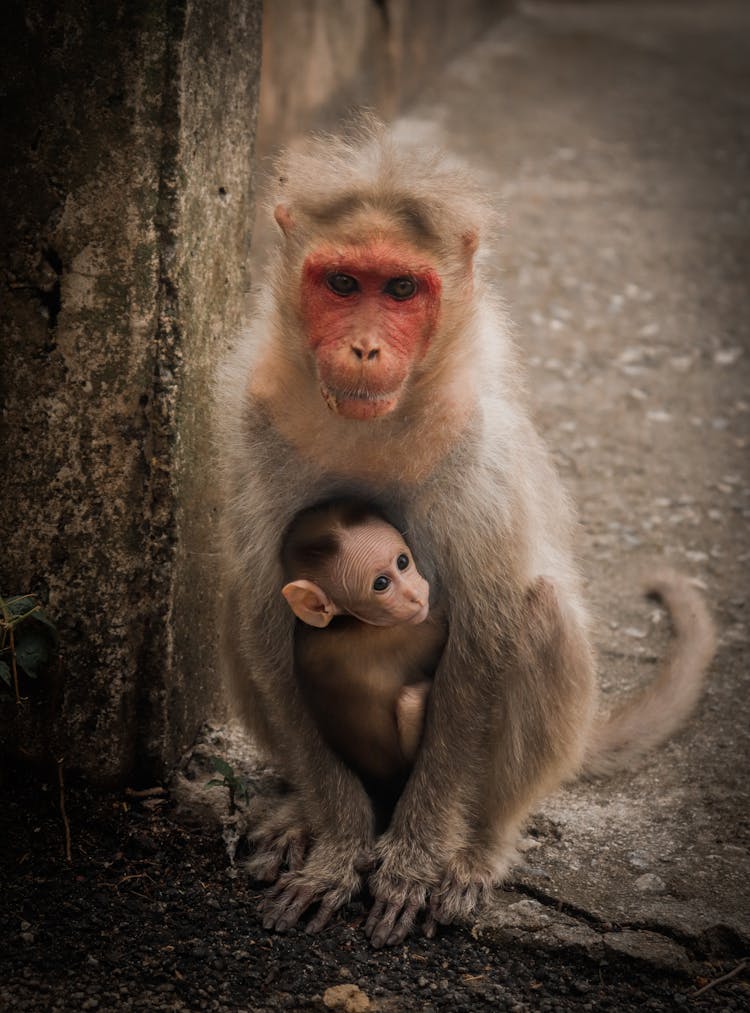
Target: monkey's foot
[(462, 892), (328, 879), (400, 886), (392, 916), (280, 838)]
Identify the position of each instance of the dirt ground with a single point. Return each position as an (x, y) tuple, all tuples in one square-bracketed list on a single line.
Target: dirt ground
[(616, 135), (148, 917)]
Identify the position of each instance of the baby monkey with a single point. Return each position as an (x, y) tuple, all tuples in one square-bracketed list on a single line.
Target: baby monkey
[(367, 645)]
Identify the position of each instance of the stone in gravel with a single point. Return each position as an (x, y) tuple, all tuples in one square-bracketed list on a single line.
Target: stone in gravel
[(650, 883), (348, 998)]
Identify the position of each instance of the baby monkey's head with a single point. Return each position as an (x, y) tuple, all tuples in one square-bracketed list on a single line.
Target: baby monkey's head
[(344, 558)]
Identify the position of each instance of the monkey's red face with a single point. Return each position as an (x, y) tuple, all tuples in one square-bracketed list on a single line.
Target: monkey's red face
[(370, 312)]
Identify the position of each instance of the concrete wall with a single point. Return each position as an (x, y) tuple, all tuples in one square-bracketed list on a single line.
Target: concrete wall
[(322, 57), (128, 146)]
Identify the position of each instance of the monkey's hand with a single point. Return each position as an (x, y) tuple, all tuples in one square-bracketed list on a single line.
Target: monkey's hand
[(279, 835), (465, 888), (330, 877), (400, 887)]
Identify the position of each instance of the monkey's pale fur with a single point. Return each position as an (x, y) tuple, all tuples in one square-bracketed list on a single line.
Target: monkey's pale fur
[(460, 470)]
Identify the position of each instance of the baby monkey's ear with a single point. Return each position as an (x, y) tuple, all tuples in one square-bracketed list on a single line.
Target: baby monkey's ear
[(310, 603)]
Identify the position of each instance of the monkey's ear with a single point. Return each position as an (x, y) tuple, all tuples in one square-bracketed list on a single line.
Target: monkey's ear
[(310, 603), (470, 243), (283, 219)]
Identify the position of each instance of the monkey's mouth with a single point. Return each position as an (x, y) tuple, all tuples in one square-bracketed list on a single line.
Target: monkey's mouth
[(359, 403), (420, 616)]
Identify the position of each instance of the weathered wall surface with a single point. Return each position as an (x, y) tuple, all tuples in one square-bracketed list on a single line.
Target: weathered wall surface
[(128, 148), (126, 191), (321, 58)]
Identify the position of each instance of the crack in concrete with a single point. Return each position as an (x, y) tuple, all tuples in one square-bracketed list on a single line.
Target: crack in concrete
[(716, 940)]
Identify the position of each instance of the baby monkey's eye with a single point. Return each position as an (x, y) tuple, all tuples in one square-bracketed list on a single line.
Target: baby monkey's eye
[(403, 561), (381, 583)]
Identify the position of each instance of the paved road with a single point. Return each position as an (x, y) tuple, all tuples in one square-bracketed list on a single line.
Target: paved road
[(617, 137)]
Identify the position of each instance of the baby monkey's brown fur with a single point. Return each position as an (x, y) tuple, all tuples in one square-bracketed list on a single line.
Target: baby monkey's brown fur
[(365, 672)]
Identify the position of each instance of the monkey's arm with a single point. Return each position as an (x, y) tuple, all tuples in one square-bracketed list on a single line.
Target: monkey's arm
[(324, 787)]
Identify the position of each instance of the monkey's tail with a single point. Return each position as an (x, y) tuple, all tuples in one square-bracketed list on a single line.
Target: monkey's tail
[(648, 717)]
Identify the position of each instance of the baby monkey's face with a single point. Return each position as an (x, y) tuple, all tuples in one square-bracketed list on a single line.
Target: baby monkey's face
[(376, 578)]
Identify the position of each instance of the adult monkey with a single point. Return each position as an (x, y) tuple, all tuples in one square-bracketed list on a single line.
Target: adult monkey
[(379, 366)]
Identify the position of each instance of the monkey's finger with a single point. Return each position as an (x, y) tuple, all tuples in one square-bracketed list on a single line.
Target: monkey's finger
[(297, 904), (278, 916), (273, 909), (277, 900), (430, 926), (376, 912), (328, 906), (382, 931), (404, 923), (269, 898), (436, 912)]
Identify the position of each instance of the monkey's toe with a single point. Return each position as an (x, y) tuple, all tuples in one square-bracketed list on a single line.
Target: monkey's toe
[(393, 914), (461, 893)]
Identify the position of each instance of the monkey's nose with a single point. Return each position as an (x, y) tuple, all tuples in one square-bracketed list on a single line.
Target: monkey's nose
[(365, 352)]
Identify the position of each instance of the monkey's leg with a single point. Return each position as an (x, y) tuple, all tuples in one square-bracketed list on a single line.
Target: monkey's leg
[(280, 836), (279, 833), (410, 707), (237, 674), (325, 837), (553, 651), (334, 814), (323, 832)]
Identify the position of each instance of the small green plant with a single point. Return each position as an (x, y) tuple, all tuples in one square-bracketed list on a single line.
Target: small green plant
[(235, 785), (28, 640)]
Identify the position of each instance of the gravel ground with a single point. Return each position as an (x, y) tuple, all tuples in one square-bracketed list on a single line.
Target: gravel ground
[(617, 134), (149, 916)]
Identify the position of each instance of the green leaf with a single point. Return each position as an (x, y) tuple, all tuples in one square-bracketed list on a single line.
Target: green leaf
[(214, 782), (25, 603), (40, 616), (5, 673), (32, 651), (222, 767)]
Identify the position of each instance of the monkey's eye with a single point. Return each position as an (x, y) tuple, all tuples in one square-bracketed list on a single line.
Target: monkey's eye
[(401, 288), (381, 583), (403, 561), (342, 284)]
